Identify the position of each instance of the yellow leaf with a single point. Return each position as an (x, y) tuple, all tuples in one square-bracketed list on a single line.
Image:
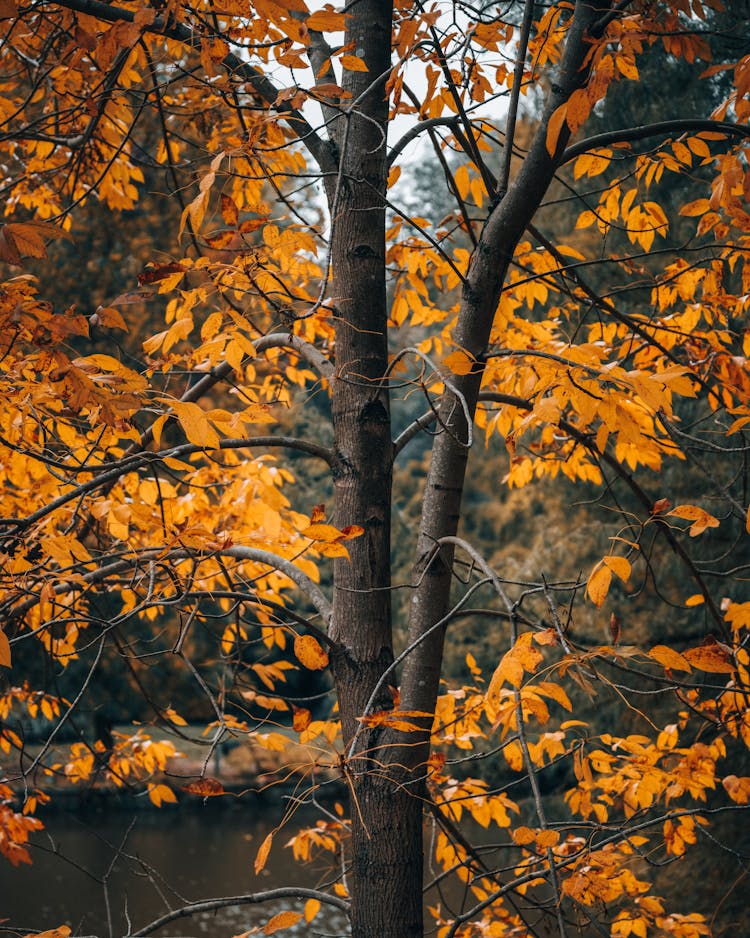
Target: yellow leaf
[(627, 67), (194, 422), (699, 207), (282, 920), (353, 63), (521, 657), (619, 566), (322, 532), (592, 164), (696, 599), (336, 549), (161, 794), (157, 427), (554, 127), (669, 658), (262, 855), (309, 653), (459, 362), (701, 519), (4, 650), (598, 584), (312, 907)]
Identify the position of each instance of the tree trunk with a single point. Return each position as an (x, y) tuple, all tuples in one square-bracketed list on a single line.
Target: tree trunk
[(385, 877), (386, 772)]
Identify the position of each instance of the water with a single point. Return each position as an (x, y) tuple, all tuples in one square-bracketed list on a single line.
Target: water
[(189, 853)]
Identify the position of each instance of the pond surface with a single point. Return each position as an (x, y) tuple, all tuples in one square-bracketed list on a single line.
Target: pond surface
[(188, 854)]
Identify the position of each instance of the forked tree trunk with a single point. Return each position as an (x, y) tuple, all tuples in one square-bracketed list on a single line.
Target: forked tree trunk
[(386, 773)]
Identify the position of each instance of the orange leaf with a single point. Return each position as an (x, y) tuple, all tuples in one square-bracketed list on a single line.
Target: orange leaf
[(26, 239), (546, 839), (711, 656), (312, 907), (699, 207), (229, 211), (524, 835), (309, 653), (326, 21), (262, 855), (207, 787), (301, 719), (738, 789), (63, 931), (282, 920), (4, 650), (554, 127), (353, 63)]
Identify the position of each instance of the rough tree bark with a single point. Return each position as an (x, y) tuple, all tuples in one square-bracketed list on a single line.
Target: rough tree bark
[(385, 877), (386, 772)]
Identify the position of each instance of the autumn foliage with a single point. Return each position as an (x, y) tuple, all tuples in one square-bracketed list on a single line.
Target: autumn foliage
[(578, 293)]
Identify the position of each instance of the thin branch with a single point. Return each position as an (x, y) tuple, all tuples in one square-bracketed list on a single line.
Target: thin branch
[(419, 128), (252, 554), (510, 125), (629, 134), (255, 898)]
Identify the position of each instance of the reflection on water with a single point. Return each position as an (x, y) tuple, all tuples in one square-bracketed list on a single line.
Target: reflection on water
[(153, 862)]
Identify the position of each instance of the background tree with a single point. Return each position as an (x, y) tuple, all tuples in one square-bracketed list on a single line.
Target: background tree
[(144, 519)]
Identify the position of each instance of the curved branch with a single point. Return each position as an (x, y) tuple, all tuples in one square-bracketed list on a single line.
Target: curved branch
[(628, 134), (253, 554), (315, 358), (255, 898), (419, 128)]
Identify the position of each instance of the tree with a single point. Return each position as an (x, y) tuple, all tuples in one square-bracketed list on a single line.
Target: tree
[(137, 494)]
